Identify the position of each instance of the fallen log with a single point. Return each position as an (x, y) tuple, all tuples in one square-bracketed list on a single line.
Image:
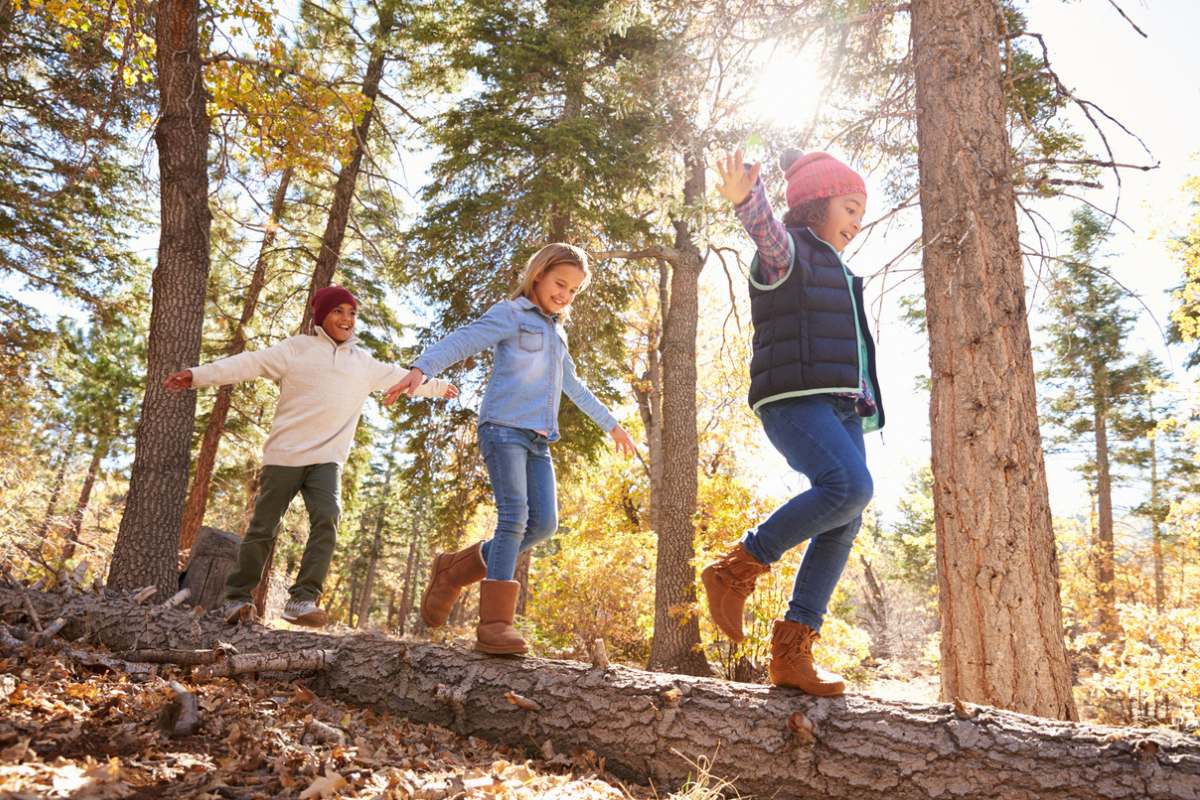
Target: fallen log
[(650, 726)]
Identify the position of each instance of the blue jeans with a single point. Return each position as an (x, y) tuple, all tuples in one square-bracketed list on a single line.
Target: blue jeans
[(522, 475), (821, 437)]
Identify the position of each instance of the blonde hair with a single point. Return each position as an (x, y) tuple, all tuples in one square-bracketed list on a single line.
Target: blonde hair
[(546, 259)]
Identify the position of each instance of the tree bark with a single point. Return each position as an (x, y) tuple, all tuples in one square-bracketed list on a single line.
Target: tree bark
[(343, 191), (521, 576), (406, 589), (259, 595), (676, 643), (147, 546), (1105, 540), (877, 610), (1156, 527), (197, 502), (649, 394), (391, 612), (364, 609), (1002, 639), (653, 726), (60, 477), (85, 498)]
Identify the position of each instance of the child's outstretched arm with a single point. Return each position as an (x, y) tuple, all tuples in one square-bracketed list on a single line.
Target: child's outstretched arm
[(389, 375), (741, 186), (468, 340), (588, 403), (270, 363)]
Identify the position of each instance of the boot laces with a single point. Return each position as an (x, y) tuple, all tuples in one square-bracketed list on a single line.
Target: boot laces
[(739, 576), (798, 645)]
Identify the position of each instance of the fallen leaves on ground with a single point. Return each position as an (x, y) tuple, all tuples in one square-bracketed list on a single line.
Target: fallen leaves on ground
[(68, 732)]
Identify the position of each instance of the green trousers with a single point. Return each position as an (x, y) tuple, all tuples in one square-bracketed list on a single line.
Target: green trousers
[(321, 485)]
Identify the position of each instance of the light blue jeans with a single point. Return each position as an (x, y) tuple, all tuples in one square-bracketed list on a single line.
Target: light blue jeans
[(522, 475), (821, 437)]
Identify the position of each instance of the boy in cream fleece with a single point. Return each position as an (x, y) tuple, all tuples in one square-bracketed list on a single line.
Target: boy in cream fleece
[(323, 381)]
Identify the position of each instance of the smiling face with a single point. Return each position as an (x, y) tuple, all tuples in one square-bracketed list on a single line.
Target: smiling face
[(339, 322), (555, 288), (843, 220)]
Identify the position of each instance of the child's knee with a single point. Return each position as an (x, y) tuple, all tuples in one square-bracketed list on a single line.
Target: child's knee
[(512, 521), (325, 518), (862, 489), (540, 530)]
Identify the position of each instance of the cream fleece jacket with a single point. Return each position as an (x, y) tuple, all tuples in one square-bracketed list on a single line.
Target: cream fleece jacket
[(322, 388)]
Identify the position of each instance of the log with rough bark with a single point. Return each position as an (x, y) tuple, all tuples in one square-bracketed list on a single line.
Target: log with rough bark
[(654, 726)]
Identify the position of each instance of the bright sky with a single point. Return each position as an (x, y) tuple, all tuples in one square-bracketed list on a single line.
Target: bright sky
[(1152, 86)]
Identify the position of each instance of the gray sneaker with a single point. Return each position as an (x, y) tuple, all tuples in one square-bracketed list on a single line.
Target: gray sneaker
[(235, 611), (305, 612)]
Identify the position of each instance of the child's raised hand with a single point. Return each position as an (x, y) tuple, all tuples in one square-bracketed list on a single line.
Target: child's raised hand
[(178, 381), (624, 441), (736, 178), (407, 385), (451, 391)]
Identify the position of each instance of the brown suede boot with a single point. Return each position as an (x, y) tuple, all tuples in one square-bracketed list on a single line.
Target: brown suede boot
[(727, 583), (451, 572), (497, 604), (792, 661)]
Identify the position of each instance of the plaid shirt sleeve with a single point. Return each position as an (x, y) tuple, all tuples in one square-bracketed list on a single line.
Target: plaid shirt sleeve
[(770, 237)]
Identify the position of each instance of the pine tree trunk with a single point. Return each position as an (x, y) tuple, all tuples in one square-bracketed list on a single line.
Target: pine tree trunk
[(676, 643), (1106, 552), (406, 590), (197, 502), (877, 610), (259, 595), (343, 191), (85, 497), (364, 609), (60, 477), (771, 743), (364, 605), (1002, 638), (147, 546), (1156, 528), (649, 392), (521, 576), (352, 604)]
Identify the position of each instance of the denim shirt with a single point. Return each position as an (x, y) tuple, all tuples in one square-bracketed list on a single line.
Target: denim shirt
[(531, 370)]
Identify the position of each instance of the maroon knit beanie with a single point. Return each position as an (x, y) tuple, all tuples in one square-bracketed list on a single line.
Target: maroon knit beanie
[(811, 176), (329, 298)]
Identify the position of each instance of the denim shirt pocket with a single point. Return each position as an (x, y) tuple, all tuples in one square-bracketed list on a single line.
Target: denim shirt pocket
[(530, 337)]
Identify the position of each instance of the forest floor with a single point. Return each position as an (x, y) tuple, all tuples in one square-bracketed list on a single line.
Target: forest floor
[(71, 729)]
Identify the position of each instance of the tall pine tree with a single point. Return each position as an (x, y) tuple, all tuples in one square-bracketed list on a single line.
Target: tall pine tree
[(1090, 375)]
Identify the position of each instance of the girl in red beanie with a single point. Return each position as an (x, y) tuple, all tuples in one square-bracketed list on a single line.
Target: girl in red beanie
[(324, 379), (814, 388)]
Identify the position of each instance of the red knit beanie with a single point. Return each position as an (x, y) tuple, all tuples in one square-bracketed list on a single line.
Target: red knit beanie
[(329, 298), (811, 176)]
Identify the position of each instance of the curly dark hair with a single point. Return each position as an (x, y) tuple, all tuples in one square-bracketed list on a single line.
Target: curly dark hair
[(809, 214)]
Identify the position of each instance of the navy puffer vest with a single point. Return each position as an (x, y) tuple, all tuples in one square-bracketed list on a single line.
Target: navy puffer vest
[(807, 328)]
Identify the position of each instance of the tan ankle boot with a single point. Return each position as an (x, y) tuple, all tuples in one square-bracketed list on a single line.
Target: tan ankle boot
[(451, 572), (727, 583), (497, 605), (792, 661)]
